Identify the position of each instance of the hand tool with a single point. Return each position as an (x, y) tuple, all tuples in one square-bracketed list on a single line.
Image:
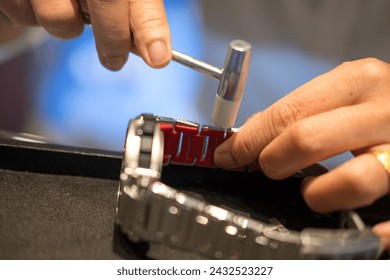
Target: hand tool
[(232, 78)]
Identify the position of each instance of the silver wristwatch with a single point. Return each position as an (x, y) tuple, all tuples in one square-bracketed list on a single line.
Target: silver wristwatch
[(188, 227)]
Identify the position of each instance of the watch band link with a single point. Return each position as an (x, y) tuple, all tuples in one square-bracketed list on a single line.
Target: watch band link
[(188, 143)]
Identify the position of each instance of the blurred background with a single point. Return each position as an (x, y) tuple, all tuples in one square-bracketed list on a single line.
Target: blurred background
[(58, 89)]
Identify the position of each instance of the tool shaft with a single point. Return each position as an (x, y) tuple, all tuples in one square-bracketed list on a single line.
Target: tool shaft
[(197, 65)]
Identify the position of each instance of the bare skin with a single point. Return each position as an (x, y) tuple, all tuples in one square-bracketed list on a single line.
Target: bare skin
[(346, 109), (9, 32), (115, 24)]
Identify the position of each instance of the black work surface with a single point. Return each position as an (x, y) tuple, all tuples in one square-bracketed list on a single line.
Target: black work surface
[(59, 202)]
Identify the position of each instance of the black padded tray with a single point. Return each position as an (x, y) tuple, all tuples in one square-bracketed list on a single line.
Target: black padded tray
[(58, 202)]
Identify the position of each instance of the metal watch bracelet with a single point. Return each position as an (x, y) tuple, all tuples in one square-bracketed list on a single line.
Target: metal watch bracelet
[(172, 221)]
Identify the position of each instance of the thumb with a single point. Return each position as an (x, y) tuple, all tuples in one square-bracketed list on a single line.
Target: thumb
[(149, 25)]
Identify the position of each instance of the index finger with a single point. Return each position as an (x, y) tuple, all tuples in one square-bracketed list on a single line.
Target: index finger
[(111, 28)]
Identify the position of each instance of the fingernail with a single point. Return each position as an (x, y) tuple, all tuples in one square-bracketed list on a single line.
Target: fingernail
[(225, 160), (158, 53), (114, 63)]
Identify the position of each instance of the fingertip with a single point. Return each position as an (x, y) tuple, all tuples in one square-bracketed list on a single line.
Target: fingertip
[(307, 192), (382, 228), (314, 197), (275, 173), (113, 63), (305, 182), (224, 159), (383, 231), (74, 30), (385, 243)]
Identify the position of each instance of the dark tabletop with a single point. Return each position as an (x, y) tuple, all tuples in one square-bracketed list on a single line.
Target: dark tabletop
[(59, 202)]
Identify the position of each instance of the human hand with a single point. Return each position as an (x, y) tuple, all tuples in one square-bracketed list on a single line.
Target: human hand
[(346, 109), (114, 24)]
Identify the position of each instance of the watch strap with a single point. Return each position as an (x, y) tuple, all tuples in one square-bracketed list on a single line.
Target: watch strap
[(189, 143)]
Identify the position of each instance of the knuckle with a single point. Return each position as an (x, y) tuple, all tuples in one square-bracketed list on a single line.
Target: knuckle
[(312, 201), (149, 18), (368, 68), (61, 23), (281, 116), (304, 137)]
